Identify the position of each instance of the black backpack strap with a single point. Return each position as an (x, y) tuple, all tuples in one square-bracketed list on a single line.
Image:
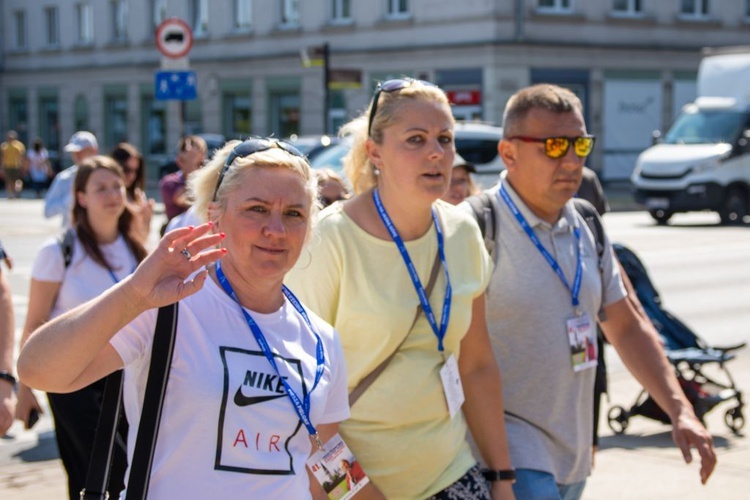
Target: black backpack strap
[(594, 222), (100, 464), (67, 243), (153, 402), (484, 213)]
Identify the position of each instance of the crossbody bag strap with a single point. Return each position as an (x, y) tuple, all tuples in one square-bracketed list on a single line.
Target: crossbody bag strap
[(153, 402), (100, 464), (366, 382)]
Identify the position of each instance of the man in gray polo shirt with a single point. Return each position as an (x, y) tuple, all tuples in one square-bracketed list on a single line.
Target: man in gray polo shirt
[(545, 296)]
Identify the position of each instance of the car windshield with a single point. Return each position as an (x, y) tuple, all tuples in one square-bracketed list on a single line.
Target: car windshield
[(705, 127), (331, 157)]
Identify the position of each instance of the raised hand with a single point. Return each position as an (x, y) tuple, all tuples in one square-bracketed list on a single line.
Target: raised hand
[(161, 278)]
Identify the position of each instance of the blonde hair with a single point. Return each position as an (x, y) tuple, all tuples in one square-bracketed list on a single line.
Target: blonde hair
[(202, 183), (357, 165)]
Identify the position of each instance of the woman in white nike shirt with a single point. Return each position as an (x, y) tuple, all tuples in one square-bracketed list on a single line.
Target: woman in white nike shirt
[(228, 428)]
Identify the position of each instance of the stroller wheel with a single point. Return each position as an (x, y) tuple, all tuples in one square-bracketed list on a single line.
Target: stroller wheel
[(617, 418), (734, 419)]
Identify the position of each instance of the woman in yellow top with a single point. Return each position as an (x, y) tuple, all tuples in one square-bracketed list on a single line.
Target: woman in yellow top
[(370, 267)]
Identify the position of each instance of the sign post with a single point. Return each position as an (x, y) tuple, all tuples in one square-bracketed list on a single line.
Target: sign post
[(175, 81)]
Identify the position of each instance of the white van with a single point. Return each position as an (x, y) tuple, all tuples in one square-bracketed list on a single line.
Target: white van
[(703, 161)]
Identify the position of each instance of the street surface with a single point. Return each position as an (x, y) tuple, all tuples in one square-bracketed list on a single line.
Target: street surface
[(701, 269)]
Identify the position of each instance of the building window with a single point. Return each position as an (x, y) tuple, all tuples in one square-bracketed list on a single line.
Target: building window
[(18, 118), (199, 17), (158, 11), (341, 10), (398, 8), (85, 23), (19, 21), (556, 5), (81, 113), (236, 114), (290, 13), (49, 122), (243, 14), (50, 22), (694, 8), (153, 125), (285, 113), (115, 119), (119, 21), (627, 7)]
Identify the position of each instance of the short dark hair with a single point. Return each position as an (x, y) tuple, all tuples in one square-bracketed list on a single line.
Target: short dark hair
[(542, 96)]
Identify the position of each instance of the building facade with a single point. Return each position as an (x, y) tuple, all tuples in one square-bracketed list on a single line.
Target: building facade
[(67, 65)]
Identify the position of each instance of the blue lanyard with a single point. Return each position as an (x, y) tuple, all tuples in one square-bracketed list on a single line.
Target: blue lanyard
[(302, 407), (423, 299), (575, 290)]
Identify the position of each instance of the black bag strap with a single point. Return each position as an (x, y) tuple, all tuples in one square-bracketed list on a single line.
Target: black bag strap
[(97, 476), (153, 402)]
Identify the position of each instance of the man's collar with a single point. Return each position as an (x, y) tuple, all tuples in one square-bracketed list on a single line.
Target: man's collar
[(566, 220)]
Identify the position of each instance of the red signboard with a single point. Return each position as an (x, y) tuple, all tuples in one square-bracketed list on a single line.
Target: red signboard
[(465, 97)]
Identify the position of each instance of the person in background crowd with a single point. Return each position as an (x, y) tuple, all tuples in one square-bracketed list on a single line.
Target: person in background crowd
[(331, 187), (7, 346), (233, 319), (59, 198), (191, 151), (40, 170), (142, 208), (103, 253), (368, 276), (13, 154), (537, 306), (462, 183), (591, 190)]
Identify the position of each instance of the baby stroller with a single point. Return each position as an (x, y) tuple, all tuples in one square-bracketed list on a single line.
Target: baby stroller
[(689, 355)]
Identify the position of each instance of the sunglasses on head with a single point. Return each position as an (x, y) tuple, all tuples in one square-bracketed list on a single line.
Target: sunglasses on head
[(390, 86), (252, 146), (557, 147)]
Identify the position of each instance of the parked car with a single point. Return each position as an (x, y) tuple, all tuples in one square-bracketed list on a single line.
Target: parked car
[(333, 156), (312, 145), (477, 144)]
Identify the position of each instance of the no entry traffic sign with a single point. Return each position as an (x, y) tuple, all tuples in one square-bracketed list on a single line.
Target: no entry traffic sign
[(174, 38)]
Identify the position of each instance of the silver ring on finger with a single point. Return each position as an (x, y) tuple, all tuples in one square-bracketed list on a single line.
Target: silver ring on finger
[(187, 253)]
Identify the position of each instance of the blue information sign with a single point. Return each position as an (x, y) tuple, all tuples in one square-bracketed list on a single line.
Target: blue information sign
[(176, 85)]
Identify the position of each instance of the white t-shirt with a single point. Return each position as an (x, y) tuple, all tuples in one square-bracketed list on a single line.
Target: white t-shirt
[(38, 165), (84, 279), (228, 428)]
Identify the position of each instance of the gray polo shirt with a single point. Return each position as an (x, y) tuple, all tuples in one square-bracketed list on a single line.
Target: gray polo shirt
[(549, 406)]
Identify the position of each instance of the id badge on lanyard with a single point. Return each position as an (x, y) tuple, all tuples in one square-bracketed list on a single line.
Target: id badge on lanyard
[(582, 342)]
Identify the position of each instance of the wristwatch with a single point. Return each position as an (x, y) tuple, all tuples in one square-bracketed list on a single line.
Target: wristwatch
[(499, 475), (10, 378)]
